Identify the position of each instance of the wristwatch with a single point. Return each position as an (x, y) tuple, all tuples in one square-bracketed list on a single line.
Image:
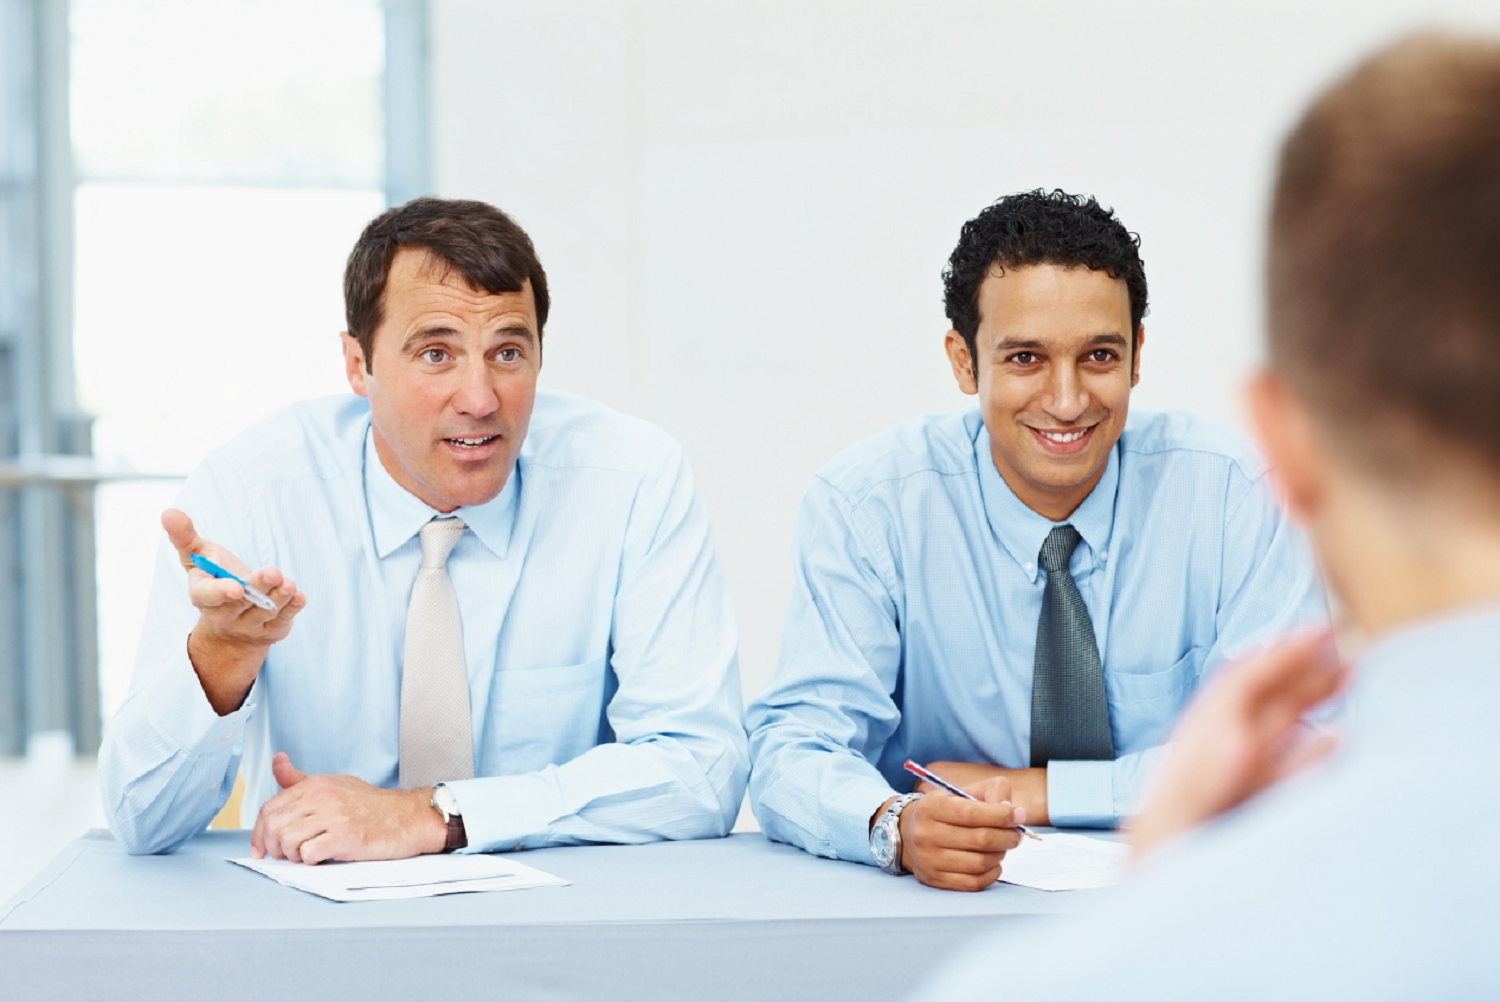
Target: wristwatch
[(447, 805), (885, 835)]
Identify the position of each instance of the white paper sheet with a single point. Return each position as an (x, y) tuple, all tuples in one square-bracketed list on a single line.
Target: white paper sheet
[(418, 877), (1062, 862)]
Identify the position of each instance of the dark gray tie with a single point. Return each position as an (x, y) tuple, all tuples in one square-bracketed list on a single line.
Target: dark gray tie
[(1069, 713)]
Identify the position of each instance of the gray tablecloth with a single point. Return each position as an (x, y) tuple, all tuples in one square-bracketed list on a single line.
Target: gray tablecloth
[(734, 918)]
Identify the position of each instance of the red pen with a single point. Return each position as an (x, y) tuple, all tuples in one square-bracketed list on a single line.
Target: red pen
[(941, 783)]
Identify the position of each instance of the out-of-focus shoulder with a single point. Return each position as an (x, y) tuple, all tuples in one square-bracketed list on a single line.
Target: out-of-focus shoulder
[(568, 430), (1161, 433), (322, 438), (935, 444)]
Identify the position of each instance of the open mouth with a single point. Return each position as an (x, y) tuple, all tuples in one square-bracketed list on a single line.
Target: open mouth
[(471, 443)]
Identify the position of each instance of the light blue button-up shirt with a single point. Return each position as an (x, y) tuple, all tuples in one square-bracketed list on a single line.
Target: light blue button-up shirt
[(1372, 877), (912, 625), (597, 626)]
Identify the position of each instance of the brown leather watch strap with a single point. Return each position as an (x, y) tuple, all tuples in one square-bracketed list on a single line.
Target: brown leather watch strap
[(457, 837)]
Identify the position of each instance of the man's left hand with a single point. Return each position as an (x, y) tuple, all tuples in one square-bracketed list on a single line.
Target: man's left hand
[(1028, 787), (318, 818)]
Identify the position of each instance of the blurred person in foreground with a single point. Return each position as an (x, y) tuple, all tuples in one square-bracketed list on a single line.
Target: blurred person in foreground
[(511, 629), (1275, 869)]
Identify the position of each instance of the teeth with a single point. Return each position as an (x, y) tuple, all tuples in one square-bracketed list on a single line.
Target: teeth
[(1065, 436), (472, 443)]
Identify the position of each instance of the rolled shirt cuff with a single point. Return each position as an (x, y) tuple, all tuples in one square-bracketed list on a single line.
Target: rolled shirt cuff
[(848, 815), (1081, 794), (505, 813)]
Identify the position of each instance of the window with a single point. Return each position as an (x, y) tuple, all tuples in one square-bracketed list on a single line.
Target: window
[(227, 156)]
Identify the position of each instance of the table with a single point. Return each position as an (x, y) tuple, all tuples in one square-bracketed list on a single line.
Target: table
[(722, 919)]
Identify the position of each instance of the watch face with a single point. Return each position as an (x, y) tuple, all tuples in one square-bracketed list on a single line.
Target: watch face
[(444, 800), (880, 844)]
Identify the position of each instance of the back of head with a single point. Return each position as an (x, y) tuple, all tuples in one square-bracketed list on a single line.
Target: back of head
[(1384, 268)]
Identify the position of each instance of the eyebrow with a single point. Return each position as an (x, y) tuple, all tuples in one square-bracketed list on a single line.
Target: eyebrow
[(443, 330), (1031, 344)]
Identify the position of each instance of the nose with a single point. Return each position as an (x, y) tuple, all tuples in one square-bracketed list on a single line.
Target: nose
[(1065, 398), (476, 395)]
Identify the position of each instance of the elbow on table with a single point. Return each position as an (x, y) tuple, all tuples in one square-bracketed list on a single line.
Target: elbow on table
[(141, 840), (716, 796), (134, 828), (138, 836)]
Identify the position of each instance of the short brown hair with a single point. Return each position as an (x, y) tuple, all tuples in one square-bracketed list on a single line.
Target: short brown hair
[(1384, 254), (483, 243)]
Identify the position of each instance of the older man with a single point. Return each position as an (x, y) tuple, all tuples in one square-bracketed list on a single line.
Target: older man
[(511, 628)]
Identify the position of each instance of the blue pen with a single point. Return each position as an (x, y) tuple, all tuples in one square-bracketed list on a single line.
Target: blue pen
[(254, 595), (939, 781)]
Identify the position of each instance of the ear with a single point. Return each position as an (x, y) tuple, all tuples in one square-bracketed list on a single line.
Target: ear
[(1284, 428), (961, 360), (354, 364), (1135, 356)]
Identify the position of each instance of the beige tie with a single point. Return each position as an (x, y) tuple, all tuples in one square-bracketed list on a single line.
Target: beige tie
[(437, 743)]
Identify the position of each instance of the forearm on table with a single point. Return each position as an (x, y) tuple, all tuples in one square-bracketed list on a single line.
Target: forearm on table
[(820, 800), (156, 796), (168, 759), (616, 792)]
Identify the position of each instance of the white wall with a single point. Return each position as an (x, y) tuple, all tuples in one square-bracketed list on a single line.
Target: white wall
[(744, 208)]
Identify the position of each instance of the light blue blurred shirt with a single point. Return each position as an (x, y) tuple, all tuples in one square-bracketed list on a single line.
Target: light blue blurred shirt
[(597, 626), (912, 625), (1373, 877)]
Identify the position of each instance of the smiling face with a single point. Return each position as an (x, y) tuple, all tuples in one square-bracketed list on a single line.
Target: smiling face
[(452, 381), (1055, 373)]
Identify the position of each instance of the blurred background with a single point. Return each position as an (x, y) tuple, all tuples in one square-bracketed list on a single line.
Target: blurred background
[(743, 209)]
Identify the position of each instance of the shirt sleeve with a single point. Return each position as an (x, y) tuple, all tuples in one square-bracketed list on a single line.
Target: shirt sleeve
[(820, 726), (678, 763), (168, 760), (1269, 586)]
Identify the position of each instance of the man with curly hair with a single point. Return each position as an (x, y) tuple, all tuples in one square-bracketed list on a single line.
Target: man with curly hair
[(1024, 595)]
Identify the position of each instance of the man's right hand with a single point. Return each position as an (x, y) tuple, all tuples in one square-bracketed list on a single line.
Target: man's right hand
[(1243, 732), (957, 844), (229, 644)]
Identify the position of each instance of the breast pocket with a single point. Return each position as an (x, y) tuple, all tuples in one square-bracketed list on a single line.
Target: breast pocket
[(543, 716), (1144, 705)]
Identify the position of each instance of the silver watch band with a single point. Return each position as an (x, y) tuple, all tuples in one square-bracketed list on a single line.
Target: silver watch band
[(890, 824)]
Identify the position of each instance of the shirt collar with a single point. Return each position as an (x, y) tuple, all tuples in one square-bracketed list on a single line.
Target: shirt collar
[(396, 514), (1022, 531)]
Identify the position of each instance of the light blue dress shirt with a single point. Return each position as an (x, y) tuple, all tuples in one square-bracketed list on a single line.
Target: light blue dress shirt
[(1373, 877), (912, 625), (597, 626)]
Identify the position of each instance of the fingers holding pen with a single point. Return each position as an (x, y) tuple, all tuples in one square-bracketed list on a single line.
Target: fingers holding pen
[(956, 843), (230, 610), (221, 583)]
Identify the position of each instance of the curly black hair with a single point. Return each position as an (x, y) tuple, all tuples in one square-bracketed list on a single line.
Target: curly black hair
[(1039, 227)]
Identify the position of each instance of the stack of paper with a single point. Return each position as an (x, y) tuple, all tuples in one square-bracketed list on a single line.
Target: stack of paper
[(1062, 862), (418, 877)]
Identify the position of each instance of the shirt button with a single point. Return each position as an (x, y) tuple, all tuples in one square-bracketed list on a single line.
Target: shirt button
[(1030, 567), (1103, 555)]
